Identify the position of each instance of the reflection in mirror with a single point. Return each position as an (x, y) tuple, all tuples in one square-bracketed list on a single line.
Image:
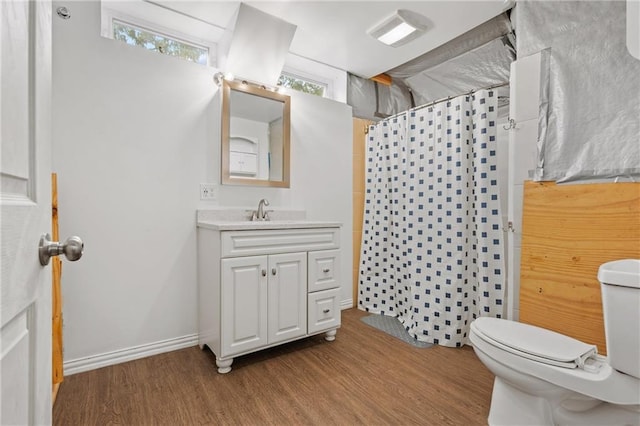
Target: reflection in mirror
[(255, 136)]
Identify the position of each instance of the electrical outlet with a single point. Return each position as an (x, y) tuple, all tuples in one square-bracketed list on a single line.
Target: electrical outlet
[(208, 191)]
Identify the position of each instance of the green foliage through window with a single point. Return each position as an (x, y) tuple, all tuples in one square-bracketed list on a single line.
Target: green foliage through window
[(300, 85), (159, 43)]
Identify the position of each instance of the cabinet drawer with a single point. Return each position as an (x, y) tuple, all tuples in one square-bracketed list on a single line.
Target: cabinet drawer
[(324, 270), (257, 242), (324, 310)]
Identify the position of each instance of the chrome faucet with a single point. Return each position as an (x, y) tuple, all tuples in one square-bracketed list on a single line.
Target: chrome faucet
[(261, 213)]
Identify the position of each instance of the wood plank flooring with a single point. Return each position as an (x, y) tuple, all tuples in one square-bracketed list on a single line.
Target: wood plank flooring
[(364, 377)]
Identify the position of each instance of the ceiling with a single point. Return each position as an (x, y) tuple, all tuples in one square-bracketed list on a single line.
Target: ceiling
[(335, 32)]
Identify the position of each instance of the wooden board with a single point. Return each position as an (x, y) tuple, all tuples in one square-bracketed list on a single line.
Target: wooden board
[(568, 231), (382, 79), (360, 130), (56, 263)]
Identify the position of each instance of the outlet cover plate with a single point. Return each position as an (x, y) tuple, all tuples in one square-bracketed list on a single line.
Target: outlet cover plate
[(208, 191)]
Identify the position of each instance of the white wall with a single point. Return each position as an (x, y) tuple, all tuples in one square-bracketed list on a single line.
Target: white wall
[(502, 137), (135, 132), (524, 99)]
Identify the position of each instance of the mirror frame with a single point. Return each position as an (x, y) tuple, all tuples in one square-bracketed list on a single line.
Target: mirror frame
[(226, 177)]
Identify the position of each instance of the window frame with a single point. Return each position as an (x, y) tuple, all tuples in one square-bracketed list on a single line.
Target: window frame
[(110, 15), (334, 79), (296, 76)]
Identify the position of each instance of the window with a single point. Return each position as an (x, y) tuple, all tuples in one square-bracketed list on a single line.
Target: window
[(150, 40), (333, 79), (302, 85)]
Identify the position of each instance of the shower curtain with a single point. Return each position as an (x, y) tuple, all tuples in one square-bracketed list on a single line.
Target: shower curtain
[(432, 250)]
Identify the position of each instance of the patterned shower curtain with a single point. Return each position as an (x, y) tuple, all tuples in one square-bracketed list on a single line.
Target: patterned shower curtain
[(432, 250)]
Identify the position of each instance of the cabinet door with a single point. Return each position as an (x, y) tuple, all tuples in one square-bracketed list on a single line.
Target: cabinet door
[(287, 296), (244, 304)]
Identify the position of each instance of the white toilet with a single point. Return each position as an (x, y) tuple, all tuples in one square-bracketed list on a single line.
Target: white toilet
[(546, 378)]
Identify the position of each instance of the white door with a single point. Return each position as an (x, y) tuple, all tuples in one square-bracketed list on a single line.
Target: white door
[(287, 296), (244, 304), (25, 211)]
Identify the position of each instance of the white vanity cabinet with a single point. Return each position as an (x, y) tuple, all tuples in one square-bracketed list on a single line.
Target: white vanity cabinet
[(262, 287)]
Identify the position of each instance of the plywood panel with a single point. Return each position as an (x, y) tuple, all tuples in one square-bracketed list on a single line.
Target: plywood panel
[(360, 129), (56, 370), (568, 231), (383, 79)]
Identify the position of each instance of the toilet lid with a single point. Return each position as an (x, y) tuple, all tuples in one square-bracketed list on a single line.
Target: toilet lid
[(534, 342)]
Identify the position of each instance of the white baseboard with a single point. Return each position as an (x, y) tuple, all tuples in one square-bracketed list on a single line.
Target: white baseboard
[(346, 304), (93, 362)]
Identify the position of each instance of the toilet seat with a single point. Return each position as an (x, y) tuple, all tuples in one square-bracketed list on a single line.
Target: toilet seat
[(602, 382), (537, 344)]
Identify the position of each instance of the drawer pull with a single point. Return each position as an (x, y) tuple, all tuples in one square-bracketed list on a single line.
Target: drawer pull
[(325, 270), (273, 271), (326, 311), (264, 272)]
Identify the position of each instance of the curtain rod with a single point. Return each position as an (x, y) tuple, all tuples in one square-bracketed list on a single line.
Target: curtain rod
[(437, 101)]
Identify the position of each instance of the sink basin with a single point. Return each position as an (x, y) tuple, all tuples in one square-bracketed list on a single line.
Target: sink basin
[(239, 219), (221, 225)]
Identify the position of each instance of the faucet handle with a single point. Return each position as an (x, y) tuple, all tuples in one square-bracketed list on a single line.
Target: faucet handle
[(266, 214)]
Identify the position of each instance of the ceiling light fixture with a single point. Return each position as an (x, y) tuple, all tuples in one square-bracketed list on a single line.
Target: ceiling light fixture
[(400, 28)]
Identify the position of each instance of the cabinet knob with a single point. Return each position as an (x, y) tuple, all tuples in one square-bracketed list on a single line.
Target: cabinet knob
[(273, 271), (264, 272), (326, 311), (325, 270)]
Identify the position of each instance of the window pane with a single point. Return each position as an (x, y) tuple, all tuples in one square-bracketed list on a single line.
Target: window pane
[(159, 43), (301, 85)]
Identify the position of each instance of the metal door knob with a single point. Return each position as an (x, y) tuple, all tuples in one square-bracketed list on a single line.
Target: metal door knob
[(72, 248)]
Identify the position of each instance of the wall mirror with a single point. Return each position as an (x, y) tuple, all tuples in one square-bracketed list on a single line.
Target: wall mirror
[(255, 136)]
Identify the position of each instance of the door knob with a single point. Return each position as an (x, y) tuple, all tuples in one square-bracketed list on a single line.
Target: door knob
[(72, 248)]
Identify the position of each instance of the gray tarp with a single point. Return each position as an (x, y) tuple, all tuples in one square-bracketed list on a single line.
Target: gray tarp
[(375, 101), (590, 100), (483, 66), (478, 58)]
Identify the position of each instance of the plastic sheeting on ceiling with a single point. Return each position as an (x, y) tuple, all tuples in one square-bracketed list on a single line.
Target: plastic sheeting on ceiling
[(478, 58), (590, 89), (483, 66), (375, 101)]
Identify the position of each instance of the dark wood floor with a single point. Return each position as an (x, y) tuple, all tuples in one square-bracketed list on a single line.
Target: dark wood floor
[(363, 377)]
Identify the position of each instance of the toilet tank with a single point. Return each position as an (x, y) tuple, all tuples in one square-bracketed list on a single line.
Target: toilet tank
[(620, 287)]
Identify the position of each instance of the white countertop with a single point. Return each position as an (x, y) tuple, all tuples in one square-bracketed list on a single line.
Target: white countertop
[(247, 225)]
